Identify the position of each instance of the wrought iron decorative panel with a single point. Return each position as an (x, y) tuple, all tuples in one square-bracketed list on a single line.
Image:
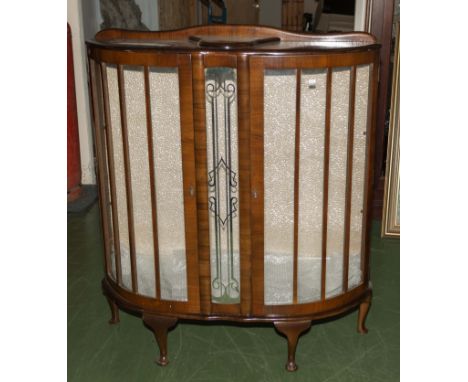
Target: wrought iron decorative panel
[(222, 154)]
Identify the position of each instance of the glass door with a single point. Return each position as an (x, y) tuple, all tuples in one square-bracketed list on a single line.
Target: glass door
[(150, 173), (309, 151)]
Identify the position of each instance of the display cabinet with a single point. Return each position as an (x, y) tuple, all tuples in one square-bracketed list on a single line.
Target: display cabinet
[(235, 174)]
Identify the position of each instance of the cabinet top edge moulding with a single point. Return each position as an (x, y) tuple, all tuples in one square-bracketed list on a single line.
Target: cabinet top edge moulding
[(245, 38)]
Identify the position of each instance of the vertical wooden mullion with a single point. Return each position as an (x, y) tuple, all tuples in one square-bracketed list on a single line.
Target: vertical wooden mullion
[(256, 178), (296, 181), (101, 173), (244, 184), (199, 118), (128, 176), (154, 216), (326, 165), (110, 160), (349, 178)]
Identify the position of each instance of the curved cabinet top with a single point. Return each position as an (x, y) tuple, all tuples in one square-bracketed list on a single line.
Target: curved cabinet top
[(237, 38)]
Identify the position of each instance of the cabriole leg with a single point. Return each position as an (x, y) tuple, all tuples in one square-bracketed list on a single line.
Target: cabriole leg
[(292, 331), (363, 310), (160, 325), (114, 310)]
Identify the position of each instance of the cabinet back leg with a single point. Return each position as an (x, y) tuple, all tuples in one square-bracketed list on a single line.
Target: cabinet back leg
[(363, 310), (292, 331), (160, 325), (115, 319)]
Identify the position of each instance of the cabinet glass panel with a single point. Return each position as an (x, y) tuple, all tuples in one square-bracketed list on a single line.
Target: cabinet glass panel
[(165, 110), (120, 188), (337, 179), (279, 146), (140, 180), (361, 112), (310, 211), (223, 183)]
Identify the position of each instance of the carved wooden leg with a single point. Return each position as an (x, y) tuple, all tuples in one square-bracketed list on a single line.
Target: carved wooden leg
[(160, 325), (114, 310), (363, 310), (292, 330)]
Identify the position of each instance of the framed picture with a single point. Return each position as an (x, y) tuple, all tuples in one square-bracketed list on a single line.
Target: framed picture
[(391, 207)]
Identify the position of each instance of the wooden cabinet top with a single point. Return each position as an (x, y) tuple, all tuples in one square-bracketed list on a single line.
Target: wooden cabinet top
[(240, 38)]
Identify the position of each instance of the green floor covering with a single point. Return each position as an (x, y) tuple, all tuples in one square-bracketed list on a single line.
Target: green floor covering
[(330, 351)]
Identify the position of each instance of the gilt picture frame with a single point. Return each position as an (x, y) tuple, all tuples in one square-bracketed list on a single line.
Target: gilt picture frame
[(391, 207)]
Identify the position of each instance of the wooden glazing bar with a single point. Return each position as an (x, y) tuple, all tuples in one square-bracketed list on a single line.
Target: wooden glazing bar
[(296, 180), (326, 165), (154, 216), (244, 185), (199, 117), (101, 173), (128, 176), (349, 178), (110, 161)]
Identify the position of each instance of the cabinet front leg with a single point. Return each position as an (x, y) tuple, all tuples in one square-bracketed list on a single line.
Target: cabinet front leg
[(292, 331), (115, 319), (363, 310), (160, 325)]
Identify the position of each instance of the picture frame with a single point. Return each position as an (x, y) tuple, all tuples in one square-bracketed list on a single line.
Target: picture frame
[(391, 206)]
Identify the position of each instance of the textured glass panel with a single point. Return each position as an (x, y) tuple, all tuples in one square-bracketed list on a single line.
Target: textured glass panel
[(121, 201), (139, 170), (337, 180), (358, 182), (222, 162), (165, 109), (312, 142), (279, 129)]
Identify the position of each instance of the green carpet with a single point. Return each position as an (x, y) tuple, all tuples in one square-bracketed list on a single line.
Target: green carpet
[(330, 351)]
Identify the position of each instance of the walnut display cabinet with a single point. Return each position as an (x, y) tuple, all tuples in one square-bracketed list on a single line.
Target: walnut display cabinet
[(235, 174)]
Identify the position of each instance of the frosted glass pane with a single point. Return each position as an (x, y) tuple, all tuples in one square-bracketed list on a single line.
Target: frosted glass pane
[(165, 109), (279, 140), (222, 162), (358, 182), (337, 180), (121, 202), (139, 169), (312, 142)]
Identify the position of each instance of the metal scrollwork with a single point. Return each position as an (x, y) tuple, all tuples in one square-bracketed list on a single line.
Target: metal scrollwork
[(222, 198)]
